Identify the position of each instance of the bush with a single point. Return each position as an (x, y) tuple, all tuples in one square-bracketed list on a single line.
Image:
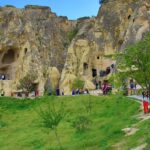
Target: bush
[(81, 123), (27, 83), (72, 34), (77, 84), (51, 118)]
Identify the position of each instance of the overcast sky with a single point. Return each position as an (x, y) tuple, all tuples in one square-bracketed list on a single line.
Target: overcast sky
[(73, 9)]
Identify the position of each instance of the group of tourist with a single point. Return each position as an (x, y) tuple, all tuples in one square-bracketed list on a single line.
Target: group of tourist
[(80, 91), (74, 92), (104, 86)]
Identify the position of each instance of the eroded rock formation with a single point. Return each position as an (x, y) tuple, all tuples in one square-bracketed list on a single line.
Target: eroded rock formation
[(118, 24), (32, 39), (35, 39)]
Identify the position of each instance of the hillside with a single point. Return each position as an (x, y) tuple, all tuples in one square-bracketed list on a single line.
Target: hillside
[(21, 127)]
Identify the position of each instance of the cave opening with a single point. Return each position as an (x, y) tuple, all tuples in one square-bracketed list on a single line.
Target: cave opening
[(4, 75), (94, 73), (129, 16), (25, 50), (85, 68), (9, 57)]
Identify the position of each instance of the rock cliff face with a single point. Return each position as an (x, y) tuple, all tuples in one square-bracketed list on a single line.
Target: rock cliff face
[(118, 24), (32, 39), (35, 40)]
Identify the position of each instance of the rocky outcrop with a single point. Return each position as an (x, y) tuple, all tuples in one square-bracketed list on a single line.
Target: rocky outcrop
[(118, 24), (32, 39)]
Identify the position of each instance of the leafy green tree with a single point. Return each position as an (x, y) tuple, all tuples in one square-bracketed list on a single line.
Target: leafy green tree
[(135, 62), (27, 82), (51, 118), (77, 84)]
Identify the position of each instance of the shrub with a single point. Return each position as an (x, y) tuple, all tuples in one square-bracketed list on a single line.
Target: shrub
[(88, 105), (27, 82), (51, 118), (81, 123), (72, 34), (77, 84)]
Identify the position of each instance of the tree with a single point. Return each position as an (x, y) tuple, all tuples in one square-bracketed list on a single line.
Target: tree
[(135, 61), (27, 82), (77, 84), (51, 118)]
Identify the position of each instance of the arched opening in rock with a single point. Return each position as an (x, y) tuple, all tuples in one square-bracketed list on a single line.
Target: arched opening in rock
[(9, 57), (25, 50), (85, 68), (97, 57), (94, 73), (129, 16), (4, 73), (102, 73), (120, 42)]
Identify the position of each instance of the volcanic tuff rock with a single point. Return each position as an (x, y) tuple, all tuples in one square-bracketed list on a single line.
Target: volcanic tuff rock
[(31, 40), (118, 24), (34, 39)]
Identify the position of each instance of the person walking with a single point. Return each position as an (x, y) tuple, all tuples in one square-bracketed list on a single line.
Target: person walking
[(105, 88), (145, 102), (131, 87)]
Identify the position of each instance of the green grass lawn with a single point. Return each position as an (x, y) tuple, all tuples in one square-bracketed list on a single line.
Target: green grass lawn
[(21, 126)]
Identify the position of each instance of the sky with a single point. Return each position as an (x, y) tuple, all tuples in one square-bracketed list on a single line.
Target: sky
[(73, 9)]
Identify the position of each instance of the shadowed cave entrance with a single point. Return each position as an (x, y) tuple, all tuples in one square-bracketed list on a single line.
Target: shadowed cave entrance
[(94, 73), (9, 57), (85, 68), (6, 64)]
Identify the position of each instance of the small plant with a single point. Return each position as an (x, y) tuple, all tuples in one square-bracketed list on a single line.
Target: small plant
[(81, 123), (72, 34), (51, 118), (88, 105), (48, 87), (2, 123), (77, 84)]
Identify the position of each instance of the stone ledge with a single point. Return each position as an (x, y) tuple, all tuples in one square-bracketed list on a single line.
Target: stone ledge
[(37, 7)]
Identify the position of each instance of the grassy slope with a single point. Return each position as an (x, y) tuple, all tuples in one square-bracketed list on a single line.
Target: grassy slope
[(21, 127)]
